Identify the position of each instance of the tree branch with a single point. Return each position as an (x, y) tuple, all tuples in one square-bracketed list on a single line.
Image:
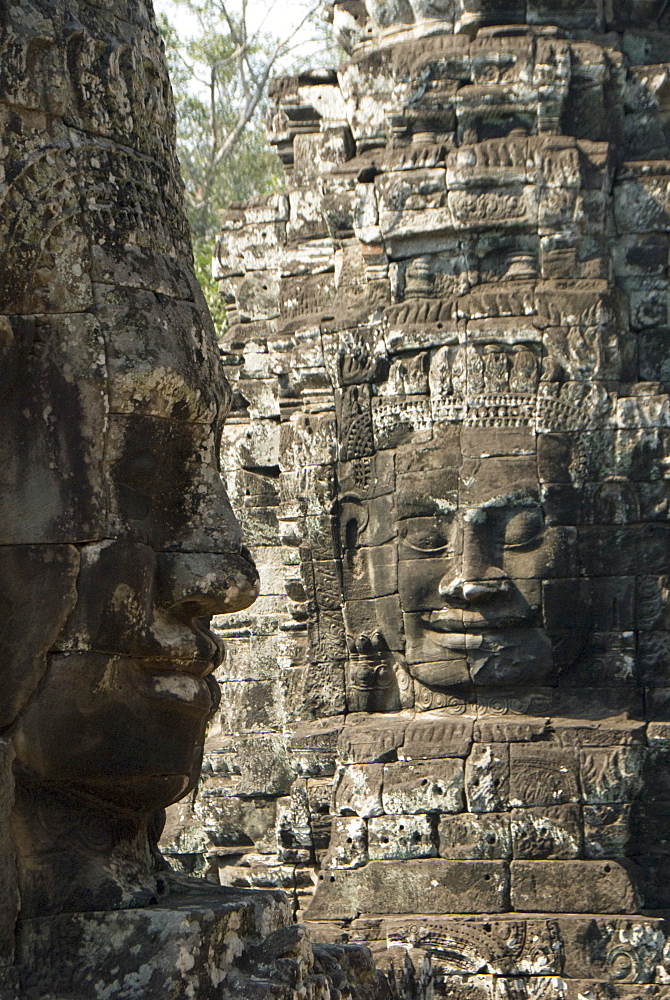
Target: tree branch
[(232, 64)]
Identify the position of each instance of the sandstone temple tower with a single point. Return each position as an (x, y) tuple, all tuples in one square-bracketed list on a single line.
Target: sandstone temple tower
[(449, 448)]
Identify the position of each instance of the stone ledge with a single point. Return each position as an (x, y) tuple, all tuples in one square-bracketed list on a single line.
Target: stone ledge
[(199, 941)]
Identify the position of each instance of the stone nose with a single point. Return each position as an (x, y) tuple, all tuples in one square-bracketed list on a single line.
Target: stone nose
[(478, 578), (475, 591), (202, 584)]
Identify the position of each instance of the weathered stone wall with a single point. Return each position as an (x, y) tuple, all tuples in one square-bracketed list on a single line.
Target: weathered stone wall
[(200, 942), (448, 447)]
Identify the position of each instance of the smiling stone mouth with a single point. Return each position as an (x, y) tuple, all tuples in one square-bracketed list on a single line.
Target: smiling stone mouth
[(200, 659), (437, 622), (218, 654)]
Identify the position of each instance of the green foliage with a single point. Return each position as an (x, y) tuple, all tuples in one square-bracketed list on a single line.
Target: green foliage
[(202, 258), (219, 78), (220, 90)]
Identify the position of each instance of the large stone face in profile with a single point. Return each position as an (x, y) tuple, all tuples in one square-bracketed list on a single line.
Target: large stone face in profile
[(448, 446), (111, 506)]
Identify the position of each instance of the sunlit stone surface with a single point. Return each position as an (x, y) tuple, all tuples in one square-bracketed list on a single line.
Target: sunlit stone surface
[(448, 447)]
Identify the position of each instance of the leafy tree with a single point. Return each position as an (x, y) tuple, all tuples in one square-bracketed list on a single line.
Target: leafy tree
[(219, 77)]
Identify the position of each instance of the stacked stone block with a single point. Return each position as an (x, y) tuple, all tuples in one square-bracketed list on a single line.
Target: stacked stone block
[(450, 355), (117, 542)]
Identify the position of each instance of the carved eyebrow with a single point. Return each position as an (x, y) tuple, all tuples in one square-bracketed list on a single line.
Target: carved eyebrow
[(518, 498), (411, 505)]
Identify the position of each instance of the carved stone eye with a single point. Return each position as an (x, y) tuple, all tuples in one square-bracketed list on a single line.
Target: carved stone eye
[(430, 541), (426, 536), (523, 529)]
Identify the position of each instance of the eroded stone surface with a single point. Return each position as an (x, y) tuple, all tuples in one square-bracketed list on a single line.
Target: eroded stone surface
[(202, 941), (117, 536), (449, 441)]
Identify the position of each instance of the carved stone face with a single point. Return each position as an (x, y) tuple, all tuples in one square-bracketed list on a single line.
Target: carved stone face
[(480, 558), (117, 541), (471, 570), (500, 492), (121, 709)]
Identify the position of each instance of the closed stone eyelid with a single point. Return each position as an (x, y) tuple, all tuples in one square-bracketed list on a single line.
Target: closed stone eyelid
[(446, 546), (419, 548), (526, 543), (537, 534)]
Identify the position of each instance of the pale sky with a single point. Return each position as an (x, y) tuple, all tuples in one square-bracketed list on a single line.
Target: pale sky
[(280, 19)]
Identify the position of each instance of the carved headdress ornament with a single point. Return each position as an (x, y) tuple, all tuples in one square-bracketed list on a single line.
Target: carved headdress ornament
[(491, 385)]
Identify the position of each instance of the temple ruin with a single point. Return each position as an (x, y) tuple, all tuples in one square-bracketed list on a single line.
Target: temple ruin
[(445, 725)]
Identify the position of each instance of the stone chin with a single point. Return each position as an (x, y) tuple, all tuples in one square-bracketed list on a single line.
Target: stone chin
[(117, 731), (510, 656)]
